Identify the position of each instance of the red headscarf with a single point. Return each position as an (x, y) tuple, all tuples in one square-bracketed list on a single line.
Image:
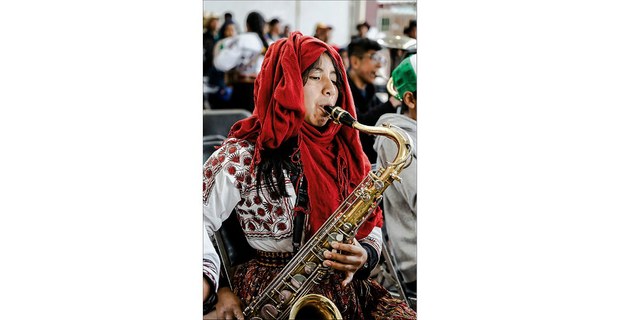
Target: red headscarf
[(333, 160)]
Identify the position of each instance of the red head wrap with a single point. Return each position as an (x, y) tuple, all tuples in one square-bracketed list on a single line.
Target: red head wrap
[(333, 160)]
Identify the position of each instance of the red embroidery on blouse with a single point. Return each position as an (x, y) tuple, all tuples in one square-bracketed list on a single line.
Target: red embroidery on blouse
[(259, 216)]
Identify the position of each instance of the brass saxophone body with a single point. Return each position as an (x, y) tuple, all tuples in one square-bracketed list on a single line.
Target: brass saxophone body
[(287, 293)]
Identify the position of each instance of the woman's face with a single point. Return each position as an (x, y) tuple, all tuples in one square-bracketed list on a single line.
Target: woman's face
[(320, 90)]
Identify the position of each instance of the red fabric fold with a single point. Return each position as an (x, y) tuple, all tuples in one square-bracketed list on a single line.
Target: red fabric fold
[(332, 158)]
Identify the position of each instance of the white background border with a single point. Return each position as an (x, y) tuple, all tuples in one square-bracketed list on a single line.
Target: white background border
[(100, 215)]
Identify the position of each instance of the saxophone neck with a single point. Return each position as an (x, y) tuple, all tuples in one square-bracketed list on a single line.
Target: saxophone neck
[(394, 133)]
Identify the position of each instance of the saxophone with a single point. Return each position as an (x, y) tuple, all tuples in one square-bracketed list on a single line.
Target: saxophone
[(286, 296)]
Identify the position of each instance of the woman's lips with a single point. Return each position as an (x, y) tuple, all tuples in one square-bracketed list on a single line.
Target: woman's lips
[(325, 113)]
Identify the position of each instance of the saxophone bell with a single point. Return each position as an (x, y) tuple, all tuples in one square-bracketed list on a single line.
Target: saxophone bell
[(314, 306)]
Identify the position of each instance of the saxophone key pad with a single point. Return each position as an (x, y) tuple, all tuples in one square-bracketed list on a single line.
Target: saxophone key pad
[(309, 267), (285, 296), (347, 226), (335, 236), (298, 280), (269, 312)]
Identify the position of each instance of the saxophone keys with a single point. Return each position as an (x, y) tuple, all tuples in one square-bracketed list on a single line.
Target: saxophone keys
[(298, 280), (285, 296), (309, 267), (347, 226), (335, 236), (379, 185), (395, 177), (363, 193), (269, 312), (366, 196)]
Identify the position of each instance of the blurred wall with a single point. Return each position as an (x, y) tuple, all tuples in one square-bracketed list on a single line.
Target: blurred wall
[(299, 14)]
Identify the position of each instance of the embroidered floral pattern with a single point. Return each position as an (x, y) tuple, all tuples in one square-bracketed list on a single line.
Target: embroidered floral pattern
[(259, 215)]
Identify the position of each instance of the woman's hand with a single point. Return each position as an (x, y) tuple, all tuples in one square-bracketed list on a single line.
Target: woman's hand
[(228, 305), (350, 259)]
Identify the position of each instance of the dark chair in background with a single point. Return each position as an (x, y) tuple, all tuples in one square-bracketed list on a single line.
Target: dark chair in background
[(218, 122), (215, 127)]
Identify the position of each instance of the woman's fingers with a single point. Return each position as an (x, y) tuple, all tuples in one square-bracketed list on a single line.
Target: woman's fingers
[(354, 249), (348, 259), (239, 315), (228, 305), (347, 279), (350, 254), (340, 266), (231, 313)]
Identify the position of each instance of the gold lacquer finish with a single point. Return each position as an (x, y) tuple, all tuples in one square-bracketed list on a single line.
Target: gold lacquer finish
[(286, 297), (314, 306)]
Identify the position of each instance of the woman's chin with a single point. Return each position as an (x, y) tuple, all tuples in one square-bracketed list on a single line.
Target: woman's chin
[(321, 122), (318, 122)]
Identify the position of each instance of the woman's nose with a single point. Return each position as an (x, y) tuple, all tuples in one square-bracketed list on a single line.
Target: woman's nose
[(329, 88)]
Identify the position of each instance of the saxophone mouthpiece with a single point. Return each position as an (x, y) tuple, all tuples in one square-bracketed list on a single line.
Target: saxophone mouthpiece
[(329, 109), (340, 116)]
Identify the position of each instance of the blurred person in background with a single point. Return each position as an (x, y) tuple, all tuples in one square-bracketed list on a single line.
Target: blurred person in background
[(209, 29), (362, 30), (241, 57), (228, 29), (286, 32), (344, 55), (321, 32), (209, 33), (273, 30), (219, 93), (411, 30), (400, 200), (364, 64), (228, 18)]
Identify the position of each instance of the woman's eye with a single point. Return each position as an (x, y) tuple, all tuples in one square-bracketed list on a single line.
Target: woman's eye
[(314, 78)]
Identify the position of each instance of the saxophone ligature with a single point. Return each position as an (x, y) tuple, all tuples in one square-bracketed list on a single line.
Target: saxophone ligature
[(287, 294)]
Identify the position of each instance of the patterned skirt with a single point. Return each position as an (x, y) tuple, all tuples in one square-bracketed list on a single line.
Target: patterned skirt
[(360, 299)]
